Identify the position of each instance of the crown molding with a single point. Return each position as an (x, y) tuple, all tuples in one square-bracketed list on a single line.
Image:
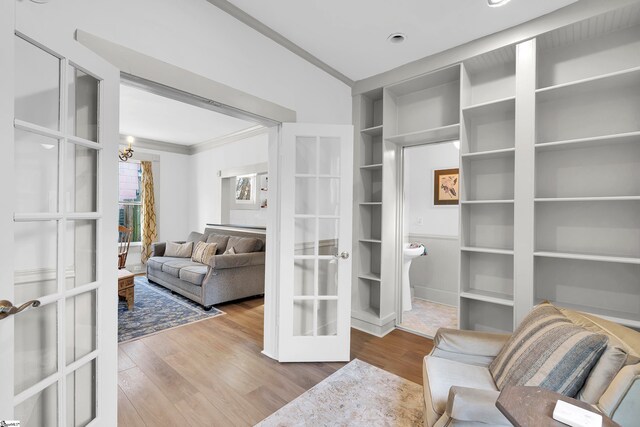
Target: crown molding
[(227, 139), (266, 31)]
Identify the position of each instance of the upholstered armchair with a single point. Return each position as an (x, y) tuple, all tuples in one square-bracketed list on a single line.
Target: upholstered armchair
[(459, 389)]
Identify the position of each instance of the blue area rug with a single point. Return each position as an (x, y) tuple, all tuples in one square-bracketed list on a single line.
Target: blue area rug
[(155, 310)]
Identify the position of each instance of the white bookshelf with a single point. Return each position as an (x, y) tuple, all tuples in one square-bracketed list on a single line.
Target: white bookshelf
[(487, 159), (549, 135), (587, 170)]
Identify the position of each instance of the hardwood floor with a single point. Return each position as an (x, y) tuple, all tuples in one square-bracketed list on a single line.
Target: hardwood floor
[(212, 373)]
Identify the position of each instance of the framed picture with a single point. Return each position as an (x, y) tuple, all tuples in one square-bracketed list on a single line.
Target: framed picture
[(246, 189), (446, 184)]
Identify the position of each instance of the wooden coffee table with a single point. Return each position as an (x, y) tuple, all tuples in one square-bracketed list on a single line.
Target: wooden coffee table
[(533, 406), (126, 287)]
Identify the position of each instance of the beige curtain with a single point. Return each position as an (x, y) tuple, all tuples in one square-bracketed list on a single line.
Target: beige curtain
[(149, 234)]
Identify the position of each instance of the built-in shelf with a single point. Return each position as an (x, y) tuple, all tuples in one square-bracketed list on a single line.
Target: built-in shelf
[(486, 202), (626, 319), (621, 138), (492, 154), (490, 107), (371, 203), (370, 240), (373, 131), (487, 250), (372, 167), (369, 315), (486, 296), (588, 199), (588, 257), (370, 276), (444, 133), (624, 78)]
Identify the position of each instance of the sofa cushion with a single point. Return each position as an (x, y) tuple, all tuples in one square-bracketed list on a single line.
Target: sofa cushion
[(173, 267), (194, 236), (156, 262), (194, 274), (202, 252), (220, 239), (244, 245), (443, 373), (547, 350), (179, 250)]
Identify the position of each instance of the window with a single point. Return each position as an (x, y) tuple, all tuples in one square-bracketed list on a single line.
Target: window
[(130, 202)]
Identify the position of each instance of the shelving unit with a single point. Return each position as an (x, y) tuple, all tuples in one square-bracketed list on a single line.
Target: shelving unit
[(550, 190), (487, 157), (587, 172), (368, 210)]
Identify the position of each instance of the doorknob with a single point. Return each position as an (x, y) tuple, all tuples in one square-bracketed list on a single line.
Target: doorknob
[(343, 255), (7, 308)]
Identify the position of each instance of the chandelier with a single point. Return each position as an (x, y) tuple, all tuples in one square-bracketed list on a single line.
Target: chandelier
[(127, 153)]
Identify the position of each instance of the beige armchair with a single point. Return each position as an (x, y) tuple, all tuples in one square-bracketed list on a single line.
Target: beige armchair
[(460, 391)]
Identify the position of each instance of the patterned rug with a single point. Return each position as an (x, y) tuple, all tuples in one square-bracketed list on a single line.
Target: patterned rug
[(356, 395), (155, 310), (427, 317)]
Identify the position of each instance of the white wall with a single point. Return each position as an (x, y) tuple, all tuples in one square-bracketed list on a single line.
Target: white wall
[(434, 277), (199, 37), (419, 164), (205, 189)]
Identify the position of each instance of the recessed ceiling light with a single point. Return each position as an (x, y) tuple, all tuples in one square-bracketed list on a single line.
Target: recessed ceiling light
[(397, 38), (497, 3)]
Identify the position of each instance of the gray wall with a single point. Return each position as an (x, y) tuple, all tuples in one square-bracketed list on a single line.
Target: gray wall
[(435, 277)]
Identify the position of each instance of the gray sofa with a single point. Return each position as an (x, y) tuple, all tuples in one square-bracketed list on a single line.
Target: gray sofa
[(227, 277)]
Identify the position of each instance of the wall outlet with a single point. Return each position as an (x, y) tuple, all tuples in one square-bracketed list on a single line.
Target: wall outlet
[(420, 220)]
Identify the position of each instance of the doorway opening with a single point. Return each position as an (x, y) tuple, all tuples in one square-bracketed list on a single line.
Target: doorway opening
[(430, 238)]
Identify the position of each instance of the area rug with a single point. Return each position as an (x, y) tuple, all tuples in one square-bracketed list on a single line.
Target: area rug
[(156, 309), (356, 395)]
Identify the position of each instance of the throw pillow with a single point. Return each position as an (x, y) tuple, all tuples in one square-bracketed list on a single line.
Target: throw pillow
[(243, 245), (178, 250), (230, 251), (220, 239), (203, 252), (547, 350)]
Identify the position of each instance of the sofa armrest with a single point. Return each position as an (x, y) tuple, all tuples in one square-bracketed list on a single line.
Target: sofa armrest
[(475, 405), (157, 249), (469, 342), (221, 262)]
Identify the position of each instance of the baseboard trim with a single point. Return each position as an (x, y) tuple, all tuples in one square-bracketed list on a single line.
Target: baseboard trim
[(371, 329), (436, 295)]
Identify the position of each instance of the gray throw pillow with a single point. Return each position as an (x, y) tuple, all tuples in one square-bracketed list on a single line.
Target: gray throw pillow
[(220, 240), (243, 245)]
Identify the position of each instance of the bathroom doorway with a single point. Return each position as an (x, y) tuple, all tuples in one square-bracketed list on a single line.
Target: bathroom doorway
[(431, 248)]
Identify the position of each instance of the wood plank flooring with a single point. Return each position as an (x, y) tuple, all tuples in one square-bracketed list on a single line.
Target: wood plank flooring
[(211, 373)]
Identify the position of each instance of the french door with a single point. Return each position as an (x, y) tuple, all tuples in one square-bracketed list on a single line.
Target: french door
[(316, 174), (58, 178)]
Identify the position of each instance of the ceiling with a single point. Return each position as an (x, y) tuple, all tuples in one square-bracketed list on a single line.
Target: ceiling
[(350, 35), (146, 115)]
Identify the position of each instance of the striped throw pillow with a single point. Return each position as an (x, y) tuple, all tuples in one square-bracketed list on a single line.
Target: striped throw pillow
[(203, 252), (547, 350)]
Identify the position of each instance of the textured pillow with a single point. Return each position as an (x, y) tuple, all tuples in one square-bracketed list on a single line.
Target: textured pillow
[(547, 350), (243, 245), (230, 251), (203, 252), (178, 250), (219, 239)]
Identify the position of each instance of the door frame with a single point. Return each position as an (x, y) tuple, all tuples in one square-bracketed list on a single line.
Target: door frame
[(399, 232)]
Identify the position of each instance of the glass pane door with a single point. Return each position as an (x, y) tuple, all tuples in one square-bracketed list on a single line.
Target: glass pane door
[(56, 155), (316, 242)]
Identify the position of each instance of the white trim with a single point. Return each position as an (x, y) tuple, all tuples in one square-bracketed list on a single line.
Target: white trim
[(266, 31), (228, 139)]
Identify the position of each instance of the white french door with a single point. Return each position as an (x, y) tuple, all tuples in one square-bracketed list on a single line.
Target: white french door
[(58, 218), (316, 194)]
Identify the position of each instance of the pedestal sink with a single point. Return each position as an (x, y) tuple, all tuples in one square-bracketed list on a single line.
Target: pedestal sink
[(409, 254)]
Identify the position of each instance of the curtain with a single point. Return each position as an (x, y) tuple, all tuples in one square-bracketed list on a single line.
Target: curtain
[(149, 234)]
